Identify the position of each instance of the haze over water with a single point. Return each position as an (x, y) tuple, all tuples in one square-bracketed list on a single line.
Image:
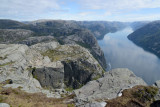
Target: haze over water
[(123, 53)]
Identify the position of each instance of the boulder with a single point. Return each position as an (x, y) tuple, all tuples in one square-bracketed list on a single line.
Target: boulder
[(49, 77), (107, 87), (4, 105)]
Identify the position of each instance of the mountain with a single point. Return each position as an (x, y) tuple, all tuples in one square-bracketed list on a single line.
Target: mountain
[(148, 37), (67, 32), (14, 35), (100, 28), (8, 24), (138, 24), (59, 63)]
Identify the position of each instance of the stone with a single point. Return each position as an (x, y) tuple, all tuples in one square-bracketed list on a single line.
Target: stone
[(4, 105), (49, 77), (43, 67), (157, 84), (107, 87)]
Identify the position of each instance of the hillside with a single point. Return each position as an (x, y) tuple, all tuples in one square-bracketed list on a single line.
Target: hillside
[(100, 28), (69, 30), (148, 37), (138, 24)]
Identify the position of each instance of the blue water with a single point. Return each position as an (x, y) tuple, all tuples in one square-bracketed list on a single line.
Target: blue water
[(123, 53)]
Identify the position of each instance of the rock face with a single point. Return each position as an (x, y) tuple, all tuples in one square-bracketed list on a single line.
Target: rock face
[(79, 65), (86, 39), (45, 64), (148, 37), (49, 77), (107, 87)]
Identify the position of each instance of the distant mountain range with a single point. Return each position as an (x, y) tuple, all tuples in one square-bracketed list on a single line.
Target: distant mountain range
[(62, 27), (148, 37)]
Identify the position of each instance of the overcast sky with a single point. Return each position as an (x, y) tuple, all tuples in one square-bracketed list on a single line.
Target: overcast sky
[(110, 10)]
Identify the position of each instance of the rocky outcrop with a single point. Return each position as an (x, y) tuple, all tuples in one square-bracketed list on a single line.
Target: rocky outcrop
[(108, 87), (85, 39), (38, 39), (44, 64), (14, 35), (157, 84), (79, 65), (59, 29), (52, 78)]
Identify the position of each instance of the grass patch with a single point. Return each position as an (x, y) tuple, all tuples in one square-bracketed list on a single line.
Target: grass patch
[(8, 63), (85, 45), (97, 77), (70, 105), (61, 54), (70, 89), (138, 96), (2, 58), (18, 98)]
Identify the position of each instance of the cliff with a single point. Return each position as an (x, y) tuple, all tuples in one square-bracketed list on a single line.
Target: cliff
[(54, 66), (61, 29)]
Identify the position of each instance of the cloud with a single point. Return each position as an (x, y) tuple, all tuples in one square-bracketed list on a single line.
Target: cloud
[(117, 10), (119, 5), (25, 7)]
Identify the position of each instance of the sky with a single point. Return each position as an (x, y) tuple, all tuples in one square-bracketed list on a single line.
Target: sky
[(106, 10)]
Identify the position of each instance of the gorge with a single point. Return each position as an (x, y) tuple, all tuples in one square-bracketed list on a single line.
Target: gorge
[(63, 61), (123, 53)]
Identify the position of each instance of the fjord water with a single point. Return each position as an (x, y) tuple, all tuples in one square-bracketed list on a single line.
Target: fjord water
[(123, 53)]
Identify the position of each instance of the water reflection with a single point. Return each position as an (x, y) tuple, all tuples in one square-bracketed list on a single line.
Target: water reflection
[(122, 53)]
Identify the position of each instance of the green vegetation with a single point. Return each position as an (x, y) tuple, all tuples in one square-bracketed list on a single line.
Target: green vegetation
[(34, 76), (85, 45), (146, 93), (1, 98), (2, 58), (97, 77), (70, 105), (138, 96), (60, 54), (148, 37), (16, 98), (70, 89), (29, 69), (8, 63)]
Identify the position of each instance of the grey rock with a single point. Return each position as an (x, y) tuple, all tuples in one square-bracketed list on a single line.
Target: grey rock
[(45, 46), (38, 39), (86, 39), (95, 104), (4, 105), (14, 35), (49, 77), (107, 87), (43, 65), (157, 84)]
